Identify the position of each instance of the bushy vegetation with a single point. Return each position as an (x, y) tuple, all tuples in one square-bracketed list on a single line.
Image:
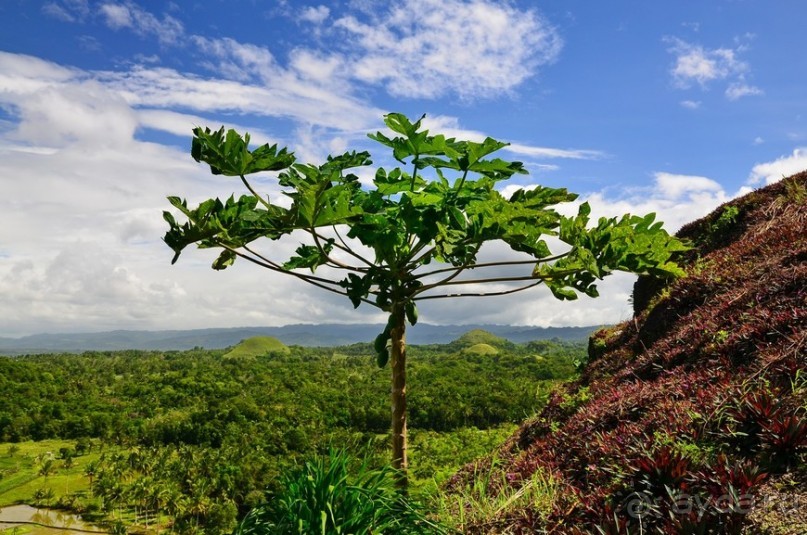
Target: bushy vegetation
[(327, 496), (197, 437)]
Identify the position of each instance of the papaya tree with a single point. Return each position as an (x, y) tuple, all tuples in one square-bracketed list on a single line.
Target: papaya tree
[(415, 234)]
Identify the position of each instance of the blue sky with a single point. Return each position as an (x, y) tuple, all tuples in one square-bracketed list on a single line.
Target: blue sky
[(672, 107)]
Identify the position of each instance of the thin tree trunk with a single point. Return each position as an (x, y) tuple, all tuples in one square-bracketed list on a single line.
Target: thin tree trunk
[(399, 456)]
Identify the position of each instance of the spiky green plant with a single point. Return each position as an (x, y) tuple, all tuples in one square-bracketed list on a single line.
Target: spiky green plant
[(326, 498)]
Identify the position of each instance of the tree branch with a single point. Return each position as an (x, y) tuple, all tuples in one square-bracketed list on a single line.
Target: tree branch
[(448, 279), (267, 204), (492, 279), (494, 264), (481, 294), (344, 247), (319, 282), (331, 262)]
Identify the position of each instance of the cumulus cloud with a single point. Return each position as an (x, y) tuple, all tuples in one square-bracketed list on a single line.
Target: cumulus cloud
[(691, 104), (82, 224), (693, 63), (417, 48), (428, 48), (785, 166), (676, 199), (697, 65)]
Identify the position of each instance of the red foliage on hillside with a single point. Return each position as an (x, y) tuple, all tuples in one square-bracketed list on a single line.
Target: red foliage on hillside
[(690, 414)]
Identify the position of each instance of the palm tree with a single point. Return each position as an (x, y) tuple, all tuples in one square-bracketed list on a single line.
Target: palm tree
[(90, 471)]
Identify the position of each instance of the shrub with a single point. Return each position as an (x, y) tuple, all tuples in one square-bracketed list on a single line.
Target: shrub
[(325, 497)]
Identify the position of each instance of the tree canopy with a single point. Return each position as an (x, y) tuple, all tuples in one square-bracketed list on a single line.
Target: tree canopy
[(415, 234)]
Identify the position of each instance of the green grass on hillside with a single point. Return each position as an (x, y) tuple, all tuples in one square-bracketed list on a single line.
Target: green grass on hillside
[(481, 349), (257, 346), (479, 336)]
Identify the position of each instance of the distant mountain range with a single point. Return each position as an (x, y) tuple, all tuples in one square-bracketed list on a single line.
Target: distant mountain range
[(303, 335)]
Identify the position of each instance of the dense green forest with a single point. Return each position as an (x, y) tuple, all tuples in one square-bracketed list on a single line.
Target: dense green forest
[(198, 437)]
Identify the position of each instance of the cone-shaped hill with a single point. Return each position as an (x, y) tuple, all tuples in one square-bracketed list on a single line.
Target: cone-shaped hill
[(479, 341), (692, 416), (257, 346)]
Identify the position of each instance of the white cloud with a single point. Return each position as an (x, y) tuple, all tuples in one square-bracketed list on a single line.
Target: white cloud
[(67, 10), (785, 166), (81, 232), (676, 199), (168, 30), (289, 98), (738, 90), (691, 104), (675, 187), (22, 74), (695, 64), (758, 140), (117, 16), (417, 48), (181, 124), (549, 152), (319, 68), (238, 61), (83, 217), (429, 48), (58, 106), (315, 15), (55, 10), (82, 224)]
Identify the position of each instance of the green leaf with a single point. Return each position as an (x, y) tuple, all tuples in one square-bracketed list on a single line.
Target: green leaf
[(228, 153), (310, 256), (357, 287), (225, 260)]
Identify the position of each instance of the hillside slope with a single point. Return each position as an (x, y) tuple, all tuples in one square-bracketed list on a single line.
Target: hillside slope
[(257, 346), (689, 418)]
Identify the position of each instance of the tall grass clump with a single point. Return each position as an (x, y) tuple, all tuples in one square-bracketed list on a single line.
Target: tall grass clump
[(489, 499), (326, 497)]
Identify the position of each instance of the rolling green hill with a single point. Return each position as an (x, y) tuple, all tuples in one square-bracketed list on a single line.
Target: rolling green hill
[(480, 349), (480, 337), (257, 346)]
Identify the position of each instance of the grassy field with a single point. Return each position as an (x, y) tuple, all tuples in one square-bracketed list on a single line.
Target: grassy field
[(23, 473)]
